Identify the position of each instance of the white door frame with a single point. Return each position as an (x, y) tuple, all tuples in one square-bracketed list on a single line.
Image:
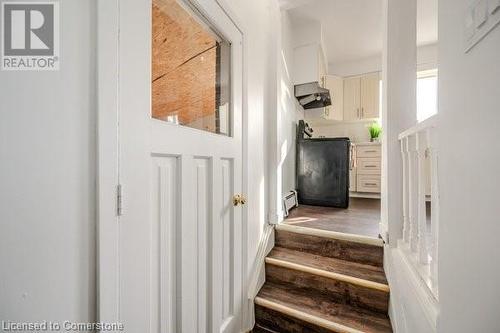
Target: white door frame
[(108, 159), (108, 156)]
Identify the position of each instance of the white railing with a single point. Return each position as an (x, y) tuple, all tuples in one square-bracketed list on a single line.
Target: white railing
[(420, 168)]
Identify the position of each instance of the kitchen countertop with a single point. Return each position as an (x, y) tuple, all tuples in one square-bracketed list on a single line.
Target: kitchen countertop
[(366, 143)]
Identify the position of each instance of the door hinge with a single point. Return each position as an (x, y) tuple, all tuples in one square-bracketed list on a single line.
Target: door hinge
[(119, 201)]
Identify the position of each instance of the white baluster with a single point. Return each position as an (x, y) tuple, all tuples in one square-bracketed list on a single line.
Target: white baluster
[(433, 152), (406, 221), (412, 191), (423, 251)]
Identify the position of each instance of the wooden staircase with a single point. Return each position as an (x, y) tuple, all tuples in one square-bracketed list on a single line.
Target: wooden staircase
[(323, 281)]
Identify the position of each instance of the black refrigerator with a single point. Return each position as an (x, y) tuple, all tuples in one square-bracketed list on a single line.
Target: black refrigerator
[(322, 169)]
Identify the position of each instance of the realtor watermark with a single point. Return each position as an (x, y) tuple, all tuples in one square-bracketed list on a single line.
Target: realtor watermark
[(30, 35), (66, 326)]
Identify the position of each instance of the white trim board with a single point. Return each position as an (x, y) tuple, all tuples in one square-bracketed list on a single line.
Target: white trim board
[(258, 277), (108, 156), (407, 289)]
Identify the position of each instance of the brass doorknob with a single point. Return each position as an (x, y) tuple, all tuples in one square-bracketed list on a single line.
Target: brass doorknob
[(238, 199)]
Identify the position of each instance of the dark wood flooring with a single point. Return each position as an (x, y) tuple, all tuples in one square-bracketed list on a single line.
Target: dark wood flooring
[(329, 264), (321, 306), (321, 284), (361, 218)]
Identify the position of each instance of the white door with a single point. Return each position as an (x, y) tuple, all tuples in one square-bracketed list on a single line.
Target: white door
[(180, 236)]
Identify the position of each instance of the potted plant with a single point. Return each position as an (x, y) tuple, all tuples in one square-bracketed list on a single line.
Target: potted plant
[(375, 129)]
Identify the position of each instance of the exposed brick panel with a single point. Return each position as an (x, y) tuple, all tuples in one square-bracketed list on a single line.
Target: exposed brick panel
[(183, 67)]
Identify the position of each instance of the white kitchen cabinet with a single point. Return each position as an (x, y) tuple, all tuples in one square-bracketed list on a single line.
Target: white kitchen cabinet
[(369, 165), (365, 171), (369, 150), (336, 86), (309, 64), (352, 96), (370, 96), (362, 97), (368, 183)]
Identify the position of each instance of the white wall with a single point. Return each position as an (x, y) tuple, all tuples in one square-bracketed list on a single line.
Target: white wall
[(356, 67), (356, 131), (427, 58), (47, 177), (257, 20), (290, 112), (469, 101)]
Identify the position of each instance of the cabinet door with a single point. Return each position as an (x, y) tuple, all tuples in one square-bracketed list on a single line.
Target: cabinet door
[(336, 86), (370, 96), (352, 98), (368, 183)]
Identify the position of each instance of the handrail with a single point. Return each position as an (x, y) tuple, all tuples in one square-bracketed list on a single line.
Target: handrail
[(430, 122)]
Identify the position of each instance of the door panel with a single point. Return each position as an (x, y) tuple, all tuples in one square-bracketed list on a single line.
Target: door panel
[(351, 98), (370, 96), (180, 235), (165, 179)]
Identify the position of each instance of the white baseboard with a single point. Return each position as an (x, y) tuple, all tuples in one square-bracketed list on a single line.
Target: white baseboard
[(258, 276)]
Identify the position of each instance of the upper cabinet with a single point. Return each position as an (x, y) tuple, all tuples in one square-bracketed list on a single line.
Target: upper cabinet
[(309, 64), (362, 97), (336, 86), (352, 98), (370, 96)]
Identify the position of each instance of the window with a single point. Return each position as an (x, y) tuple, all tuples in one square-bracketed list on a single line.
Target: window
[(427, 94), (190, 69)]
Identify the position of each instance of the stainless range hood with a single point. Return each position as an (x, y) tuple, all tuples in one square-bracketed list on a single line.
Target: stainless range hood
[(311, 95)]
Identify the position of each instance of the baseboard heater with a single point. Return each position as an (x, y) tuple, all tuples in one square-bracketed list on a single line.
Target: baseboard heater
[(290, 201)]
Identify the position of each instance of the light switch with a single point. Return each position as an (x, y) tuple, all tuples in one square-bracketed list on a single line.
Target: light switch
[(480, 13), (493, 6)]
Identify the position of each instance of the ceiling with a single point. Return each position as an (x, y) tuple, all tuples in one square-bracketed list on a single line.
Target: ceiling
[(352, 29)]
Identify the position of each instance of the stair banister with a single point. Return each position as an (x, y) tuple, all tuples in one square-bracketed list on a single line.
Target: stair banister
[(418, 242)]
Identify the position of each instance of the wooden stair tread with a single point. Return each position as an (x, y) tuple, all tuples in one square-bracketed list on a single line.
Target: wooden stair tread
[(320, 310), (331, 234), (343, 248), (353, 269)]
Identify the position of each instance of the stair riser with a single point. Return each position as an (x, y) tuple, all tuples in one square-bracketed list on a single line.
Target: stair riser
[(333, 248), (260, 329), (279, 322), (341, 291)]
